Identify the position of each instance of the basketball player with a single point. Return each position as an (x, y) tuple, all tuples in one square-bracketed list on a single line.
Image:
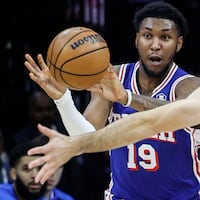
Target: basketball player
[(23, 186), (143, 165)]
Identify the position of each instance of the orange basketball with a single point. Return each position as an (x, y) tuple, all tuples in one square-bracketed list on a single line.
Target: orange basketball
[(78, 57)]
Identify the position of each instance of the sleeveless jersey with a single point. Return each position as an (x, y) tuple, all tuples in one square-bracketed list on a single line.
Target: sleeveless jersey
[(163, 167)]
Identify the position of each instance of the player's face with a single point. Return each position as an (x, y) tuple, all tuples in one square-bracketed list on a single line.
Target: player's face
[(54, 179), (24, 179), (42, 109), (157, 42)]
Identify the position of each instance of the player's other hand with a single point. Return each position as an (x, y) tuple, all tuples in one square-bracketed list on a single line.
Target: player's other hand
[(110, 86), (56, 152), (40, 74)]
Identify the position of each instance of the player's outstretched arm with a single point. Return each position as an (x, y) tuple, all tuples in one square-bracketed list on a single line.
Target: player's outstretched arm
[(40, 74), (56, 152), (133, 128)]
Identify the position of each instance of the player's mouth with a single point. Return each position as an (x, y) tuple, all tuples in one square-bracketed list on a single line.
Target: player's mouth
[(34, 186), (155, 59)]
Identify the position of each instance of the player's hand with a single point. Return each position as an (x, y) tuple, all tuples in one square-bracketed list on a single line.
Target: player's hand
[(56, 152), (40, 74), (110, 87)]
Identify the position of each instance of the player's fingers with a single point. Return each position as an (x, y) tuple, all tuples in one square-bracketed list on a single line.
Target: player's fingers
[(37, 162), (30, 67), (110, 68), (46, 131), (95, 88), (33, 77), (29, 58), (41, 62), (37, 150), (31, 62), (44, 174)]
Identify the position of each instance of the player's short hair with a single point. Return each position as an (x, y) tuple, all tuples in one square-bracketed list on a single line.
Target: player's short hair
[(21, 149), (160, 9)]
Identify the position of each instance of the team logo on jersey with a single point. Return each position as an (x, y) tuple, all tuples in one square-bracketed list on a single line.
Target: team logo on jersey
[(161, 96)]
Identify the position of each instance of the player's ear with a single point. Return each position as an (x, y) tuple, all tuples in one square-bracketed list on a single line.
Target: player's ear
[(13, 173), (179, 44), (136, 40)]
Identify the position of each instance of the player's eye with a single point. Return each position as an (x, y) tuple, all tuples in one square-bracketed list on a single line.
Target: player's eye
[(165, 37)]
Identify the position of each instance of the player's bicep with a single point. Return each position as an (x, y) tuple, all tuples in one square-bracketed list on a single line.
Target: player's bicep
[(186, 87)]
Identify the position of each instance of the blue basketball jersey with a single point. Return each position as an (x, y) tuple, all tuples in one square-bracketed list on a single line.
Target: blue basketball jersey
[(163, 167), (7, 193)]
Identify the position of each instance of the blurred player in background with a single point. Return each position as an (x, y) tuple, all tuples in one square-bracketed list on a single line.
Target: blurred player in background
[(23, 185)]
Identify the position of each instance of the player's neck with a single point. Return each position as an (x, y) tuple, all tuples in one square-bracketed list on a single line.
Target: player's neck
[(146, 81), (49, 195)]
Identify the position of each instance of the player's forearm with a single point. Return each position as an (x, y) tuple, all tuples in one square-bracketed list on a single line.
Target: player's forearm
[(73, 120), (120, 133), (178, 115), (141, 125), (141, 102), (138, 102)]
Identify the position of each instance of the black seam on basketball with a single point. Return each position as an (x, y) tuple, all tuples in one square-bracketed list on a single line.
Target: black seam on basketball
[(72, 86), (51, 55), (58, 73), (78, 74), (67, 43), (62, 49), (105, 47), (60, 68)]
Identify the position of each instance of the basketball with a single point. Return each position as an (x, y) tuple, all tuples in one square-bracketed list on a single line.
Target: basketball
[(78, 57)]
